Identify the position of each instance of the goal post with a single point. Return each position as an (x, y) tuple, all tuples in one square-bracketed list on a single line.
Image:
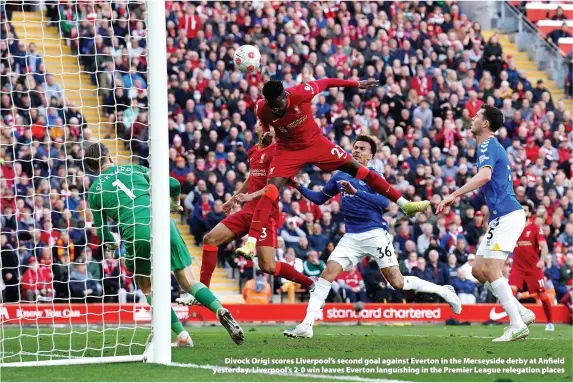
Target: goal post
[(54, 232), (159, 144)]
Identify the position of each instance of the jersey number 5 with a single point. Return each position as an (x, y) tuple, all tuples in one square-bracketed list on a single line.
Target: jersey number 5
[(490, 233), (121, 185)]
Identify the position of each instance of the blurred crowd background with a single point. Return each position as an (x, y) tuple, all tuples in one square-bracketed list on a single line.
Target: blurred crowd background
[(435, 69)]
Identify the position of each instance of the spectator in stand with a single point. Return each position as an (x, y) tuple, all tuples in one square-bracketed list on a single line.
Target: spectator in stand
[(82, 283), (291, 233), (36, 284), (10, 271), (317, 240), (111, 280), (464, 288), (557, 34), (287, 286), (567, 271), (313, 267), (200, 212), (425, 273), (353, 285), (438, 268), (559, 14), (257, 290)]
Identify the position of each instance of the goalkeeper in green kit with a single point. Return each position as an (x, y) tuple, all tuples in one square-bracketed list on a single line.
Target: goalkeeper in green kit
[(122, 193)]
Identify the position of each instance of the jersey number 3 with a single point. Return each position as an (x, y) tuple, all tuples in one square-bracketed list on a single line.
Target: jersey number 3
[(118, 184)]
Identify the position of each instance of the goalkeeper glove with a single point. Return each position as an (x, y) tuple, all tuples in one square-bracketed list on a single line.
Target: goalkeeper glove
[(175, 206), (112, 246)]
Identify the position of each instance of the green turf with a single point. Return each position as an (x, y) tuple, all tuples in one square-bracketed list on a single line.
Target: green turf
[(212, 346)]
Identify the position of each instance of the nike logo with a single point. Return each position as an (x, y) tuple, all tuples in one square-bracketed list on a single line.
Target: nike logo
[(276, 120), (518, 333), (493, 315)]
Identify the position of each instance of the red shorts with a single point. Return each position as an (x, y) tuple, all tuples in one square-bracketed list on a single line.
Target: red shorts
[(535, 281), (322, 153), (240, 223)]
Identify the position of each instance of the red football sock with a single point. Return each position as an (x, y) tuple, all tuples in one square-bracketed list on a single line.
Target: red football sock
[(208, 263), (284, 270), (263, 211), (378, 184), (546, 303)]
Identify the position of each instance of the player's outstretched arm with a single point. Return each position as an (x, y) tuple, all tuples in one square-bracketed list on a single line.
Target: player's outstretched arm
[(477, 181), (318, 197), (326, 83)]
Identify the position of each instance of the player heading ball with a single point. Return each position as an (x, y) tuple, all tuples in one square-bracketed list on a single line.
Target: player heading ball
[(300, 142)]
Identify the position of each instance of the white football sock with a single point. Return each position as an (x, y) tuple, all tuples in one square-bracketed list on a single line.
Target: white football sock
[(522, 310), (422, 286), (500, 288), (402, 201), (317, 299)]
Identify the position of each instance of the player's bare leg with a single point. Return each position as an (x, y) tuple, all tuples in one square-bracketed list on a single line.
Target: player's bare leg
[(204, 296), (219, 235), (381, 186), (489, 270), (262, 214), (318, 297), (398, 281), (183, 337), (269, 265)]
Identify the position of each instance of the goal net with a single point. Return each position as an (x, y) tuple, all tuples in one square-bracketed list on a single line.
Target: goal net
[(72, 74)]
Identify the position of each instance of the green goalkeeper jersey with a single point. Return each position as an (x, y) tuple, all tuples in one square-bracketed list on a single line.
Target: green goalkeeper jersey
[(122, 193)]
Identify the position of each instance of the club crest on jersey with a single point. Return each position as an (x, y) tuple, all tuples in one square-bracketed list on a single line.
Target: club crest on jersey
[(262, 158), (271, 170), (297, 110)]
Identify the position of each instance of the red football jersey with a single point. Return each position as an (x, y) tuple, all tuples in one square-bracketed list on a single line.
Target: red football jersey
[(526, 253), (259, 161), (296, 129)]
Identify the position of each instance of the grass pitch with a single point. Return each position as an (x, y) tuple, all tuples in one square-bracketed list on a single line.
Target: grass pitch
[(348, 353)]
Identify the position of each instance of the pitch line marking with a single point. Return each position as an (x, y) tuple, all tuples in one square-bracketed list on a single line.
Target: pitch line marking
[(457, 336), (300, 375)]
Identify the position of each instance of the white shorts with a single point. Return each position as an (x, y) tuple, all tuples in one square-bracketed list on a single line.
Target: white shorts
[(353, 247), (502, 235)]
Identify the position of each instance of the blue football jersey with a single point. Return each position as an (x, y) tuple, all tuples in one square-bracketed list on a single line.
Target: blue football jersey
[(362, 212), (498, 192)]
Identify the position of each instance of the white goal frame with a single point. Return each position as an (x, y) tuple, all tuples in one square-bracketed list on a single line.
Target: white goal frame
[(158, 348)]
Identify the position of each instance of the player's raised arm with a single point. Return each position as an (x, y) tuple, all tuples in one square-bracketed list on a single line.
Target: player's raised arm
[(318, 197)]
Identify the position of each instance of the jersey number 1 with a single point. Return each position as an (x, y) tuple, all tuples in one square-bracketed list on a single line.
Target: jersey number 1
[(118, 184)]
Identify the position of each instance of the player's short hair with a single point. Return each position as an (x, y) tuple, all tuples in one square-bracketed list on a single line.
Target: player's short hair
[(273, 89), (369, 140), (494, 116), (95, 156), (529, 204)]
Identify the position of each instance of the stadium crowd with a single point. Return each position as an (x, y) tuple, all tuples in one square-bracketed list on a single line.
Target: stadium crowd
[(435, 71)]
